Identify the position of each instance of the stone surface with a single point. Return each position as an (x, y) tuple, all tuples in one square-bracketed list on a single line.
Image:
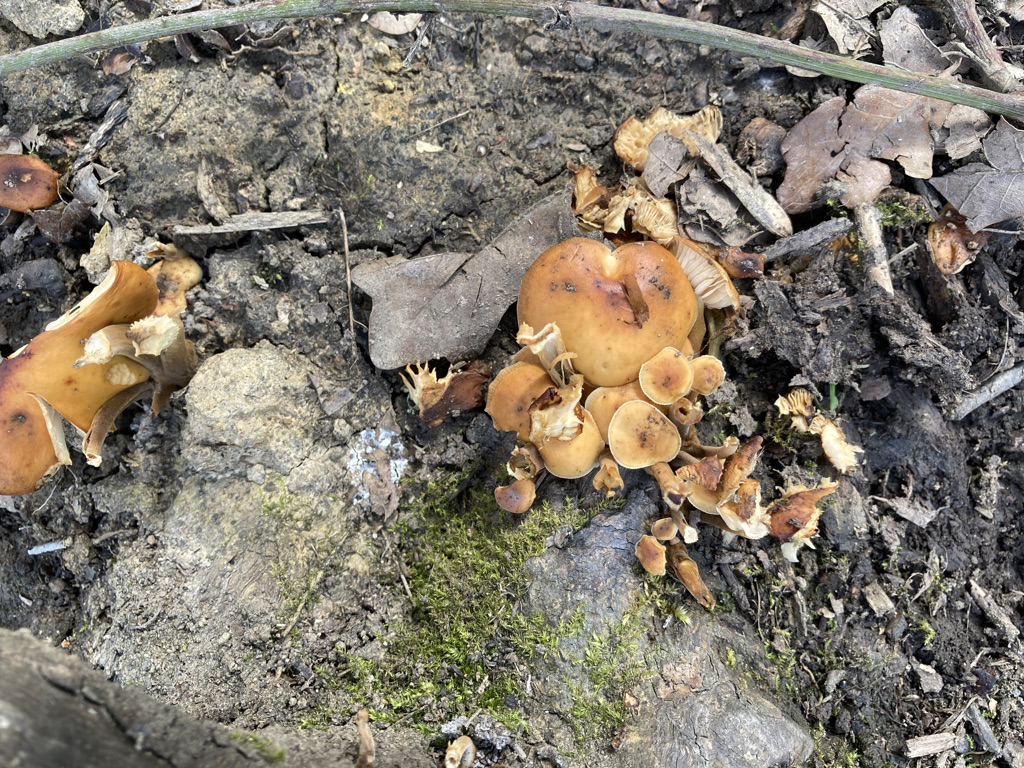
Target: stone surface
[(42, 18), (697, 711)]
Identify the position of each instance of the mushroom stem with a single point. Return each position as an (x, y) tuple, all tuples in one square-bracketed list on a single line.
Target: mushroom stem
[(103, 420), (367, 749), (686, 570), (548, 346), (607, 478)]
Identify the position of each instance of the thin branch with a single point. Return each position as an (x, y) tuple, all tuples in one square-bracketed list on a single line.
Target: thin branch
[(564, 14)]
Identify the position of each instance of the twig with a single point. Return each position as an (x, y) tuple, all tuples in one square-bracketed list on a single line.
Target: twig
[(869, 225), (564, 14), (990, 390), (348, 282), (436, 125)]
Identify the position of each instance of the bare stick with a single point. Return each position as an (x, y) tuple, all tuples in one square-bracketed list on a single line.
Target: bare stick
[(565, 14), (990, 390), (869, 224), (348, 282)]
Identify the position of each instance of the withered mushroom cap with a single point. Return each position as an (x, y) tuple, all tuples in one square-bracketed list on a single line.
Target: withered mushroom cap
[(640, 435), (842, 455), (685, 569), (516, 498), (525, 462), (799, 406), (43, 370), (173, 277), (651, 554), (569, 459), (633, 137), (794, 516), (666, 377), (26, 183), (460, 753), (616, 309), (708, 374), (511, 394)]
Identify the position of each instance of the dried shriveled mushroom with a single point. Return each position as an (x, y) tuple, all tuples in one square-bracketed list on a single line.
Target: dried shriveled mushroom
[(437, 399), (843, 455), (799, 406), (633, 137), (31, 438), (794, 516), (616, 309), (685, 569), (174, 275), (711, 283)]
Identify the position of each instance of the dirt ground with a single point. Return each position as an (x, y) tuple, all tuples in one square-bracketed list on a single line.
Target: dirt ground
[(287, 543)]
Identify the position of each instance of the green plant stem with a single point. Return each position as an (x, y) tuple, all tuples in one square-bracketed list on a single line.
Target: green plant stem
[(568, 14)]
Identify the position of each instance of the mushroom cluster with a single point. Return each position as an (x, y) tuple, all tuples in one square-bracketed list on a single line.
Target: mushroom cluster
[(123, 342), (609, 377)]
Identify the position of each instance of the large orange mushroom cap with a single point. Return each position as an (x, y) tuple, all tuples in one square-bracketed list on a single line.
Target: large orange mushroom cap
[(43, 370), (616, 309)]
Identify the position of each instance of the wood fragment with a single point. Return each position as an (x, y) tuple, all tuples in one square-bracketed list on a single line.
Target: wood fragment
[(869, 225), (367, 749), (930, 745), (994, 612), (809, 239), (761, 205), (878, 601), (251, 222), (990, 390)]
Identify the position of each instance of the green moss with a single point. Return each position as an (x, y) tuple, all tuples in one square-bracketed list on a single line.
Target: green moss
[(263, 746), (832, 751), (464, 562), (896, 214)]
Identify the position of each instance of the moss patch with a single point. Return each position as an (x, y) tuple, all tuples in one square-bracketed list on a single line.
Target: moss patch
[(464, 562)]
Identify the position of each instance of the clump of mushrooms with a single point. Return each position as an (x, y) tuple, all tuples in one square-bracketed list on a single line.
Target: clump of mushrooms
[(610, 377), (114, 347)]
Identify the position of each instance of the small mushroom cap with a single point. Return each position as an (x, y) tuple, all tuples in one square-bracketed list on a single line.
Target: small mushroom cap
[(603, 402), (511, 394), (666, 377), (44, 369), (639, 435), (525, 462), (664, 529), (569, 459), (516, 498), (708, 374), (616, 309), (26, 183), (460, 753), (651, 554)]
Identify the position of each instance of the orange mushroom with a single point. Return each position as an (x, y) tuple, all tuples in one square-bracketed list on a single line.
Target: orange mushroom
[(39, 380)]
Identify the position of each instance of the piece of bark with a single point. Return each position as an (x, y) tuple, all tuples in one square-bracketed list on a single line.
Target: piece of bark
[(251, 222), (923, 746), (808, 239)]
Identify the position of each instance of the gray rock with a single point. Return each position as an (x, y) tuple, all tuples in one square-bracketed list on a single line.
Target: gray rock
[(695, 711), (251, 406), (42, 18)]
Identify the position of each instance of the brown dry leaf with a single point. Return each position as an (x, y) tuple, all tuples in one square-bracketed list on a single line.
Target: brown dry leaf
[(987, 194), (848, 24), (668, 161), (117, 63), (58, 223), (952, 245), (907, 46), (839, 141), (448, 304)]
